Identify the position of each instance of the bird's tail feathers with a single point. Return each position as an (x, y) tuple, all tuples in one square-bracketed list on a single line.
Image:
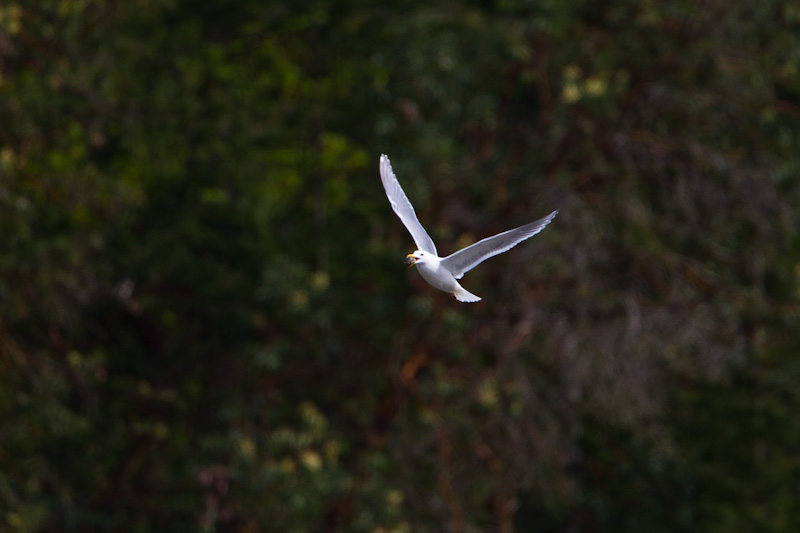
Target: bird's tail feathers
[(463, 295)]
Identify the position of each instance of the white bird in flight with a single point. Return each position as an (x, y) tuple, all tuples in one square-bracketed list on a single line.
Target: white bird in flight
[(442, 272)]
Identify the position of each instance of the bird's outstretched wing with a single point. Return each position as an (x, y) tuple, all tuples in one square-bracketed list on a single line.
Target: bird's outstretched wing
[(403, 208), (468, 258)]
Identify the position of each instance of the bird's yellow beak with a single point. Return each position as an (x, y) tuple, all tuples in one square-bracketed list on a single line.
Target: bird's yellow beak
[(410, 260)]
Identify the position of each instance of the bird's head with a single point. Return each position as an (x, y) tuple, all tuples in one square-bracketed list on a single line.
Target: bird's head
[(417, 257)]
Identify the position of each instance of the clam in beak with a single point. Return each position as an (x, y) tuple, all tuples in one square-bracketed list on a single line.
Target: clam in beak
[(410, 260)]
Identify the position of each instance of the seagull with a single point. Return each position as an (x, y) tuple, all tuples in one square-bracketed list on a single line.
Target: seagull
[(443, 272)]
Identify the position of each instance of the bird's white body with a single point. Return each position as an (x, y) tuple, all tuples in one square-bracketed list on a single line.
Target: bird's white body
[(443, 272), (431, 269)]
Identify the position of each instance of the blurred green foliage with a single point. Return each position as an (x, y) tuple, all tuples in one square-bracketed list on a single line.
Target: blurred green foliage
[(205, 323)]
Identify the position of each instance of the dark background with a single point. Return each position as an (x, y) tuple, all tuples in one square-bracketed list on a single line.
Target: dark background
[(206, 323)]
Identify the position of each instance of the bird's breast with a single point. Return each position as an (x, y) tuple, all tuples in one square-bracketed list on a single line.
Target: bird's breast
[(437, 276)]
